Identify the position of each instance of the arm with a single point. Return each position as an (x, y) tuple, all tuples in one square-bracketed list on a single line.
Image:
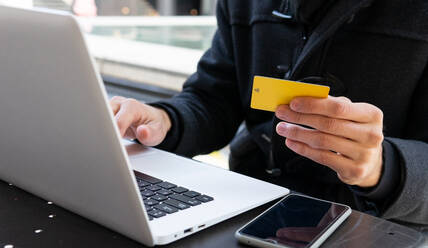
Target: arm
[(207, 113), (411, 202), (396, 181), (203, 117)]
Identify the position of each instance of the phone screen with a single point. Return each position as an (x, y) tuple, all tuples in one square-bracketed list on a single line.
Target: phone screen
[(296, 221)]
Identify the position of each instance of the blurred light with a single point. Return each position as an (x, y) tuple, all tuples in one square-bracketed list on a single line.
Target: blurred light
[(125, 10), (194, 12)]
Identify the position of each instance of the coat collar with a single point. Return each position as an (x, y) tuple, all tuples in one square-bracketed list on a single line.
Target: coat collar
[(338, 14)]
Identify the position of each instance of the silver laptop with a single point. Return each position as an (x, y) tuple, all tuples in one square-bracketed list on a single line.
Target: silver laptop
[(58, 140)]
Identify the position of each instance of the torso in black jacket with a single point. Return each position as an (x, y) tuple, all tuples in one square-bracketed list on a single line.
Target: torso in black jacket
[(373, 51)]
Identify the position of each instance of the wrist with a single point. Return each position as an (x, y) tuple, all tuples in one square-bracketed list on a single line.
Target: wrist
[(170, 123), (374, 177), (391, 178), (165, 120)]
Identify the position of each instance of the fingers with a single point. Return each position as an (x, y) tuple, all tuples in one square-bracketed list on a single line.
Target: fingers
[(354, 131), (363, 133), (124, 119), (336, 162), (337, 107), (349, 159), (319, 140), (348, 171), (128, 116), (137, 120), (130, 133), (115, 103), (148, 135)]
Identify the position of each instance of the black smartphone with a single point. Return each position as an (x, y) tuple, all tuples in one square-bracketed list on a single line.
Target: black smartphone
[(296, 221)]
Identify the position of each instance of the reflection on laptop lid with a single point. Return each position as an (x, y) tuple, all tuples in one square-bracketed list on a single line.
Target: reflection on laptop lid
[(59, 142)]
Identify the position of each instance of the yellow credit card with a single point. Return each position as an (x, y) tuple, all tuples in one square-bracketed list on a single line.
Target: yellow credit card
[(268, 93)]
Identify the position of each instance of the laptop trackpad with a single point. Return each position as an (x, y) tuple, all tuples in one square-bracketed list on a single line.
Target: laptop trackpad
[(136, 150)]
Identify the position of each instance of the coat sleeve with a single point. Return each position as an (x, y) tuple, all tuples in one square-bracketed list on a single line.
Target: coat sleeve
[(411, 203), (207, 113)]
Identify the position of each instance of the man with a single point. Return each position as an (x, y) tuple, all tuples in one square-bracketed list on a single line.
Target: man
[(366, 145)]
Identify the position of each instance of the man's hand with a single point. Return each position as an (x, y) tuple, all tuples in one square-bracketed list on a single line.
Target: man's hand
[(347, 136), (140, 121)]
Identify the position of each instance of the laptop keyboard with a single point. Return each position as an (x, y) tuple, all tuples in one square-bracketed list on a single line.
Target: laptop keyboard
[(161, 198)]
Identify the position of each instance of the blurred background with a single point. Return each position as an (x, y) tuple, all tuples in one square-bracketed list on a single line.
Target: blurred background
[(123, 7), (144, 49)]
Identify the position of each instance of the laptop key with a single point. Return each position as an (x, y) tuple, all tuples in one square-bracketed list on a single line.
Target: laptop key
[(142, 184), (179, 190), (204, 198), (156, 213), (176, 204), (159, 197), (146, 178), (148, 208), (192, 194), (147, 193), (150, 202), (185, 199), (167, 185), (164, 192), (153, 188), (166, 208)]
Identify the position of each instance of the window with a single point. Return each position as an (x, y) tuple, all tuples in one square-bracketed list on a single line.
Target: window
[(146, 42)]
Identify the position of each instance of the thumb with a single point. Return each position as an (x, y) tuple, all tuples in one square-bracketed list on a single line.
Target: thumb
[(149, 135)]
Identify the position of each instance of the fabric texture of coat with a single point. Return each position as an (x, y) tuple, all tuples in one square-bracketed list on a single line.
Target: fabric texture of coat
[(373, 51)]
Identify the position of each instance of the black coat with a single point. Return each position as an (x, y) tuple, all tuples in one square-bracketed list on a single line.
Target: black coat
[(373, 51)]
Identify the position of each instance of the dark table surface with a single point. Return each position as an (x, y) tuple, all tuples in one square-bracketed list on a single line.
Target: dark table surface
[(29, 221)]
